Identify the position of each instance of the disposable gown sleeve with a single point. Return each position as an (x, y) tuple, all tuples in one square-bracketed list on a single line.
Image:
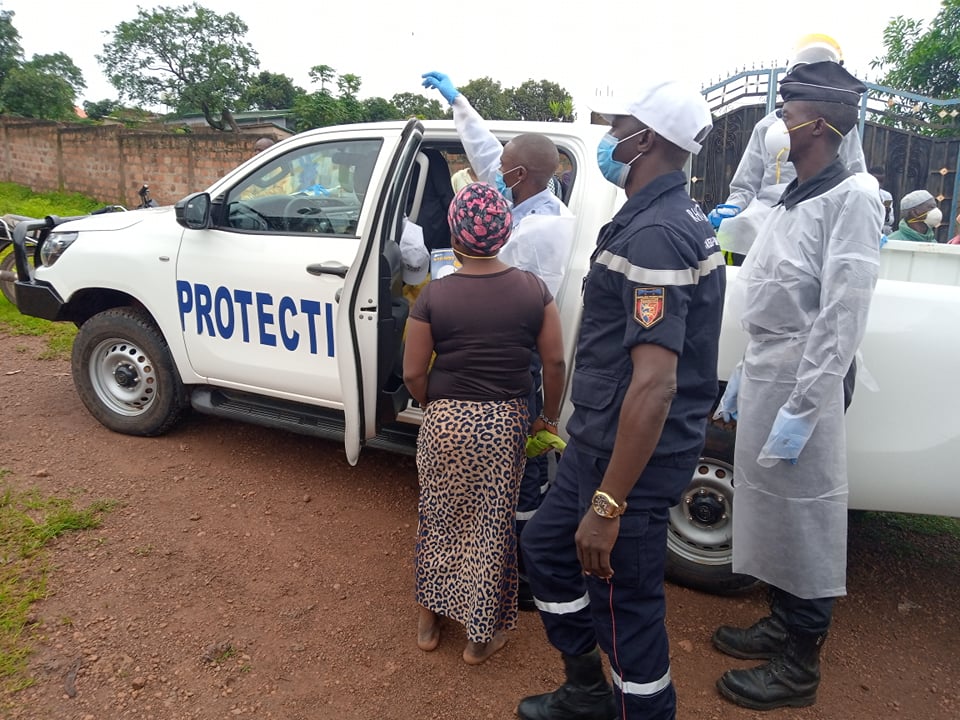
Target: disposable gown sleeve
[(849, 273), (482, 147), (748, 177)]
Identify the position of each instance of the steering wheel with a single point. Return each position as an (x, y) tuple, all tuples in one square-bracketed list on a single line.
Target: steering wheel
[(303, 214)]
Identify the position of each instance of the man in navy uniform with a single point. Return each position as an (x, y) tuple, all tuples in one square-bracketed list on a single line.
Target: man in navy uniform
[(644, 384)]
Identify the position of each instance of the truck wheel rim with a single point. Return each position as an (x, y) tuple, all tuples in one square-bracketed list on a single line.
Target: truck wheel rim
[(701, 524), (123, 377)]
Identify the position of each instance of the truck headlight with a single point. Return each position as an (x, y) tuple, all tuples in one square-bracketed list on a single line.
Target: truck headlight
[(54, 245)]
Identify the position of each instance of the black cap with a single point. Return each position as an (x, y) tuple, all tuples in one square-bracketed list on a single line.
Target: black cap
[(822, 82)]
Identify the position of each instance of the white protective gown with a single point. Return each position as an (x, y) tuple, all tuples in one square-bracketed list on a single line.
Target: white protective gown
[(760, 180), (542, 236), (803, 296)]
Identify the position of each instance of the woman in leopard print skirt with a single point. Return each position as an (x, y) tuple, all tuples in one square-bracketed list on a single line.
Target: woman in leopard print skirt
[(483, 323)]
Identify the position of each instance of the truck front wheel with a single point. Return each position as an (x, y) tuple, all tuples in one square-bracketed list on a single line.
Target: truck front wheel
[(700, 535), (124, 373)]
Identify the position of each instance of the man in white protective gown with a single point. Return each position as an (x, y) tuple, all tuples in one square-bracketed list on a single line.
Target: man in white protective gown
[(803, 296)]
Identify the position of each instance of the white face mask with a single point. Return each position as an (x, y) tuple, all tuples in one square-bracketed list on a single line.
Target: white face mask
[(777, 141), (933, 218)]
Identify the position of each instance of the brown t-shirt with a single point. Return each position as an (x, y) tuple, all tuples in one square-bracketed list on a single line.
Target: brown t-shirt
[(485, 329)]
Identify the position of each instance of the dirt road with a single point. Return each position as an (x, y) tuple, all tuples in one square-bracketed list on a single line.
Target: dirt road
[(246, 572)]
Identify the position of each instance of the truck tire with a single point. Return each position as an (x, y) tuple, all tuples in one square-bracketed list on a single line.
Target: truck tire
[(8, 264), (700, 534), (124, 373)]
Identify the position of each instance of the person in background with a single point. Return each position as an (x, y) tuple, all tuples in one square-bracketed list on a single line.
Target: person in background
[(919, 218), (761, 177), (262, 144), (803, 297), (955, 240), (643, 385), (482, 322), (461, 178), (541, 241), (886, 198)]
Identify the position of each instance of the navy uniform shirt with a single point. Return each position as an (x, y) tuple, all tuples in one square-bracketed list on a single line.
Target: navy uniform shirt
[(657, 276)]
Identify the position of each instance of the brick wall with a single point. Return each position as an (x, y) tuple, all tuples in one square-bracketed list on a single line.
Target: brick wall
[(111, 162)]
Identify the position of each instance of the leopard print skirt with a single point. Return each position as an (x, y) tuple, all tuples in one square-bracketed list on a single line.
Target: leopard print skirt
[(470, 458)]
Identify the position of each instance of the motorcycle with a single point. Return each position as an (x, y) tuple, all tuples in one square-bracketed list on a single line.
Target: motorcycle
[(8, 272)]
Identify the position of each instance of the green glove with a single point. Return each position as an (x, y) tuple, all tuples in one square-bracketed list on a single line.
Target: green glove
[(542, 441)]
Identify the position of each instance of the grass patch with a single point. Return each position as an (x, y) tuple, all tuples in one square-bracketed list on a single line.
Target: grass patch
[(59, 335), (28, 522), (931, 539)]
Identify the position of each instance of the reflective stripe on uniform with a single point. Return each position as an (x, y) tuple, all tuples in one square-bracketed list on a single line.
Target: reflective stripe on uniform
[(643, 689), (652, 276), (563, 608), (526, 514)]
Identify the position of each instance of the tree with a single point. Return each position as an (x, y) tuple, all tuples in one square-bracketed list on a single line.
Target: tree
[(488, 98), (411, 105), (270, 91), (59, 65), (100, 109), (376, 109), (31, 93), (11, 53), (923, 61), (563, 110), (187, 57), (532, 100)]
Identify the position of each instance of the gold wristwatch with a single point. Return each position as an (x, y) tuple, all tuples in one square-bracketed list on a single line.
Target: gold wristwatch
[(605, 506)]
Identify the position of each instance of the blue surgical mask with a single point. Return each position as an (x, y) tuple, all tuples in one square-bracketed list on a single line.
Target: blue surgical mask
[(501, 184), (614, 170)]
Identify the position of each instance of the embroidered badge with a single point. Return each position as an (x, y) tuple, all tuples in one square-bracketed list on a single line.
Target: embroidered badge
[(648, 309)]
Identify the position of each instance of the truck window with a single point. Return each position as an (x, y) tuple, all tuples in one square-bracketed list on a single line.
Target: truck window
[(318, 189)]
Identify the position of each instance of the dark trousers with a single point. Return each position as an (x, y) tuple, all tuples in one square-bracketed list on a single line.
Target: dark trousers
[(805, 615), (624, 615), (533, 484)]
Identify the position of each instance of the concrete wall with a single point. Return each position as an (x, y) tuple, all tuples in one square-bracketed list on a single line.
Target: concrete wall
[(111, 162)]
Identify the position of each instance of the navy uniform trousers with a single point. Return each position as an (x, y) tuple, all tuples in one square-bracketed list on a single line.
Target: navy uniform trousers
[(533, 484), (625, 616)]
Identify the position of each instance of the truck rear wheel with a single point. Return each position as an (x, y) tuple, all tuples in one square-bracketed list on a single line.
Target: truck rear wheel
[(700, 534), (124, 373)]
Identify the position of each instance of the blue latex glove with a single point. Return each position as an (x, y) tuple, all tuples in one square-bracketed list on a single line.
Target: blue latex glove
[(727, 409), (443, 83), (721, 213), (883, 240), (787, 438)]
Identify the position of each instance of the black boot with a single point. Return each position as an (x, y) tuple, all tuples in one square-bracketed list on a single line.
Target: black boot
[(586, 695), (763, 640), (788, 680)]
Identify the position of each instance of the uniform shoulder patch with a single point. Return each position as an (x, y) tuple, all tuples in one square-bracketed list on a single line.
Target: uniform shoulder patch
[(648, 307)]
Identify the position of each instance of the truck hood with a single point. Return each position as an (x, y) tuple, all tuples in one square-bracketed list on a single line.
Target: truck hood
[(106, 222)]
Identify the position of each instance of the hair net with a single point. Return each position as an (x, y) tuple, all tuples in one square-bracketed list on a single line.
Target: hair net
[(480, 219), (912, 199)]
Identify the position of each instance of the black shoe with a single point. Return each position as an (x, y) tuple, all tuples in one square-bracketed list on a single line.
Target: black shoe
[(763, 640), (788, 680), (525, 596), (585, 695)]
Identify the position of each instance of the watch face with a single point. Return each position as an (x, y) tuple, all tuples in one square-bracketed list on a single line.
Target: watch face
[(601, 506)]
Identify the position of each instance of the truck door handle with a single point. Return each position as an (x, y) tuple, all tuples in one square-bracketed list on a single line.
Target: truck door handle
[(322, 269)]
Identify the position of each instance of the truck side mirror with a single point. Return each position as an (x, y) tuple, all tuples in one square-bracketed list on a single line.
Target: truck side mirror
[(193, 211)]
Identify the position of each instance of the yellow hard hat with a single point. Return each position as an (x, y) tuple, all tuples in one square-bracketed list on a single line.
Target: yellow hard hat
[(816, 47)]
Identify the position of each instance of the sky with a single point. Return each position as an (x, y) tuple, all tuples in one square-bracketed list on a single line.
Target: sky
[(590, 48)]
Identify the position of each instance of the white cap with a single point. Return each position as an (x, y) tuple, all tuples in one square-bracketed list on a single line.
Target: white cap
[(671, 109), (913, 199), (815, 48), (413, 254)]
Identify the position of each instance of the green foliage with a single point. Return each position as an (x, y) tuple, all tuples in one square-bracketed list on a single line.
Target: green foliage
[(533, 100), (31, 93), (11, 53), (28, 521), (925, 61), (187, 57), (488, 98), (376, 109), (410, 105), (59, 65), (100, 109), (269, 91)]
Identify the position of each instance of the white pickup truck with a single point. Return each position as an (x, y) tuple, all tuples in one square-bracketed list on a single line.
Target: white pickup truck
[(275, 297)]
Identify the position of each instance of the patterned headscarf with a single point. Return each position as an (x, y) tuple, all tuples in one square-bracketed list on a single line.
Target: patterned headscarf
[(480, 219)]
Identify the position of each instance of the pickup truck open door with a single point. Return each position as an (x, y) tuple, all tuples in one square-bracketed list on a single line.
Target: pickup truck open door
[(372, 312)]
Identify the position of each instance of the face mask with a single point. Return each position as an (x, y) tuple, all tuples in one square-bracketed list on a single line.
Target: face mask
[(777, 140), (614, 170), (933, 218), (501, 184)]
